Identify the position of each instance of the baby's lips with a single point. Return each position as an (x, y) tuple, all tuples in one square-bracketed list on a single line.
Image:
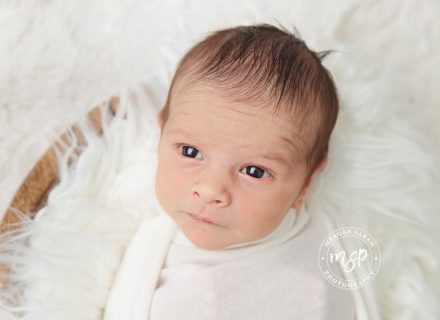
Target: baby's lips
[(200, 218)]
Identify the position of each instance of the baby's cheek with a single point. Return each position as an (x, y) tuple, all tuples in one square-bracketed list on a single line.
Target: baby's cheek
[(267, 223), (165, 184), (252, 221)]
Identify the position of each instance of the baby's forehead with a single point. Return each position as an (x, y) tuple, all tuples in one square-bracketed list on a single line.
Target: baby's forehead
[(283, 119), (188, 92)]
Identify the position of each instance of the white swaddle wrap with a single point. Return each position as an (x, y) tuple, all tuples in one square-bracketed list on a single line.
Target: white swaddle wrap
[(275, 277)]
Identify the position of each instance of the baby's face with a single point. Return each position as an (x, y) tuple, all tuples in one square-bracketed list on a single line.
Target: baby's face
[(229, 163)]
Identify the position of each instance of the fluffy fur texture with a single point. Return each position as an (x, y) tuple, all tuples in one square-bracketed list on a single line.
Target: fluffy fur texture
[(381, 174), (63, 262)]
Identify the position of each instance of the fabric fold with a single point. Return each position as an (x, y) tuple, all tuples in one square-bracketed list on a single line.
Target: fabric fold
[(135, 280)]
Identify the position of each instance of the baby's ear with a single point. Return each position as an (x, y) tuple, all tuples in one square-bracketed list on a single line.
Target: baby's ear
[(321, 166), (302, 195), (159, 118)]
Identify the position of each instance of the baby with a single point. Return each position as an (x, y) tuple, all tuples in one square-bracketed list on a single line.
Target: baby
[(244, 131)]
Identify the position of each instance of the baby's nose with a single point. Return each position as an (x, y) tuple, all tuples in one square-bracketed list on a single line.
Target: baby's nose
[(210, 195), (207, 199)]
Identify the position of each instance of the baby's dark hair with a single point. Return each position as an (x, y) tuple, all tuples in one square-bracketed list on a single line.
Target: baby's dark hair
[(260, 65)]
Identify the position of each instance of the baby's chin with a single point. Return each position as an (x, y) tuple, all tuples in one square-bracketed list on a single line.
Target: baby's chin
[(208, 239), (209, 245)]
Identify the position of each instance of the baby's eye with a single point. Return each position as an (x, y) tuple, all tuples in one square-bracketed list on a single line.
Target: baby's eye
[(189, 152), (253, 171), (256, 172)]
